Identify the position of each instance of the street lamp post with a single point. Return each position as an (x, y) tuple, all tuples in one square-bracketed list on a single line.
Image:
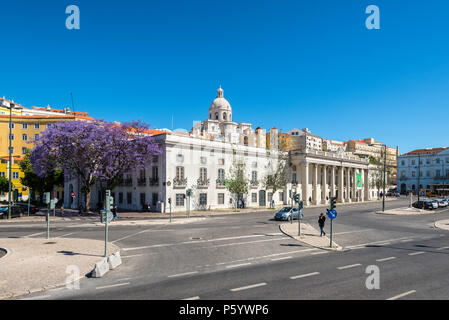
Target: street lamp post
[(10, 162), (419, 173), (385, 174)]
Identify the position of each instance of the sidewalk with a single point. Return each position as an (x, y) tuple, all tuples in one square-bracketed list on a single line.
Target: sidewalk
[(309, 235), (405, 211), (443, 224), (33, 265)]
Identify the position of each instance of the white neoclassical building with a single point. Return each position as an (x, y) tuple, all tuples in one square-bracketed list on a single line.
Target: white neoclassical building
[(201, 161)]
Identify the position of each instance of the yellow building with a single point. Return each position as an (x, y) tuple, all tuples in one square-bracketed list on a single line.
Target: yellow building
[(26, 126)]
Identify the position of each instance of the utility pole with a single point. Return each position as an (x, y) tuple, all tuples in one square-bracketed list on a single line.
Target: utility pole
[(385, 176), (10, 161), (419, 173)]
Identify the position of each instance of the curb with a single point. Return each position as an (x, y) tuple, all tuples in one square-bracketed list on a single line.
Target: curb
[(338, 249), (47, 287)]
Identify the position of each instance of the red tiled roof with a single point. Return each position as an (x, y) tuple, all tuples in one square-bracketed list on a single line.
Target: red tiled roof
[(426, 151)]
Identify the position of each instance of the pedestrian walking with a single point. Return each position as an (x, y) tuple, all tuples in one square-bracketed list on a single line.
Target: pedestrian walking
[(114, 213), (321, 222)]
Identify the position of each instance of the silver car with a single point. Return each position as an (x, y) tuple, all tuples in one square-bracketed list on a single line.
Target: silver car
[(442, 203), (286, 213)]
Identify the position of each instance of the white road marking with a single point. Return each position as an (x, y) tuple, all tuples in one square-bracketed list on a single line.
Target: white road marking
[(317, 253), (407, 240), (249, 287), (183, 274), (416, 253), (65, 235), (350, 266), (201, 241), (305, 275), (125, 279), (238, 265), (193, 298), (279, 259), (247, 242), (113, 286), (384, 243), (37, 298), (386, 259), (355, 231), (358, 246), (402, 295), (443, 248), (267, 256), (34, 234), (133, 256)]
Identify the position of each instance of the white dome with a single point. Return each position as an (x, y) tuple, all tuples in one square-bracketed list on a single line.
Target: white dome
[(220, 108)]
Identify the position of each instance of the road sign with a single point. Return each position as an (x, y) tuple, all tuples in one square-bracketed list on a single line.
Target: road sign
[(332, 214), (46, 197), (103, 216), (189, 192), (73, 194)]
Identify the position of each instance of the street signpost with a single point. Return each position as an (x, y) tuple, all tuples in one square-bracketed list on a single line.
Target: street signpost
[(189, 193), (300, 207), (47, 202), (106, 217), (332, 214)]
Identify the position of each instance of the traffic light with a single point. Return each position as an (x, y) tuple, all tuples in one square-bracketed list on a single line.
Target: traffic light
[(109, 201), (333, 203), (169, 200), (301, 205), (297, 196)]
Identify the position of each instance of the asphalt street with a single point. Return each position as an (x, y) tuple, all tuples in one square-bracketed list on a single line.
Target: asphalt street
[(245, 256)]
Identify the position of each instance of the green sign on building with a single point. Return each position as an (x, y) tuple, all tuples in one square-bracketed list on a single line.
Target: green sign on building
[(359, 180)]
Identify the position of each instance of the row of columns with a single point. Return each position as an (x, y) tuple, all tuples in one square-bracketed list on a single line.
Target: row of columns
[(344, 192)]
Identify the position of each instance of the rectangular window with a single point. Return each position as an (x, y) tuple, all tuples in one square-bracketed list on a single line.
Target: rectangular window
[(437, 173), (254, 197), (254, 176), (15, 175), (11, 126), (180, 200), (155, 159), (281, 196), (203, 199), (2, 174), (221, 175), (129, 198), (37, 126), (142, 199), (154, 172), (221, 162), (36, 137), (24, 150), (24, 137), (11, 137), (24, 125), (12, 150), (180, 173), (221, 198), (203, 174), (413, 173), (120, 197)]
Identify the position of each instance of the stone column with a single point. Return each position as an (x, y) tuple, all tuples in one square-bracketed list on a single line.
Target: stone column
[(366, 185), (315, 184), (332, 177), (324, 185), (354, 186), (340, 185), (348, 185), (305, 182)]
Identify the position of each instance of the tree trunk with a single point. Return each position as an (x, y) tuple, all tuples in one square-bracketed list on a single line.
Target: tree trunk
[(87, 200)]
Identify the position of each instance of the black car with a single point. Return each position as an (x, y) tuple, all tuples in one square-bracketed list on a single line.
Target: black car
[(24, 206), (423, 205), (16, 212)]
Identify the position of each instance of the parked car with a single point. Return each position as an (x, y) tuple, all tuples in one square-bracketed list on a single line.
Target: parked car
[(442, 203), (393, 194), (24, 206), (424, 205), (286, 213), (16, 212)]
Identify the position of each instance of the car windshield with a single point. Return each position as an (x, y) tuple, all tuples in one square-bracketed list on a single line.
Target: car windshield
[(3, 209), (286, 209)]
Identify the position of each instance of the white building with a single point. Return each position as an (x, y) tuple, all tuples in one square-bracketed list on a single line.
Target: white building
[(201, 161), (426, 169)]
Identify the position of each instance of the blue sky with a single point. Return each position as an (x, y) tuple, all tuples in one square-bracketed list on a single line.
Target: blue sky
[(281, 63)]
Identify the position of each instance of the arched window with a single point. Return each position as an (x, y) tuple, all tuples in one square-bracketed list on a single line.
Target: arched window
[(245, 141), (224, 117), (216, 116)]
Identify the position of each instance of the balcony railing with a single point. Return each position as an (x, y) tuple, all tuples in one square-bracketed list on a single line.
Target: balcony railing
[(180, 182), (154, 182), (254, 184), (221, 183), (142, 181), (403, 178), (203, 183)]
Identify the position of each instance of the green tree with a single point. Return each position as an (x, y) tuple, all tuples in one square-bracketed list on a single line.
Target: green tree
[(34, 182), (4, 185), (237, 181)]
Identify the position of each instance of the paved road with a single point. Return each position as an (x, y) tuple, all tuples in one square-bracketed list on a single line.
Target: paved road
[(246, 257)]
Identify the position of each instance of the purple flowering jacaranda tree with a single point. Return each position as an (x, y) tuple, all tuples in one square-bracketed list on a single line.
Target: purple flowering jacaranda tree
[(95, 151)]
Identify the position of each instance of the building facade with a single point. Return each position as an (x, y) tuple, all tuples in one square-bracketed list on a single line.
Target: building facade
[(202, 160), (26, 126), (426, 170)]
